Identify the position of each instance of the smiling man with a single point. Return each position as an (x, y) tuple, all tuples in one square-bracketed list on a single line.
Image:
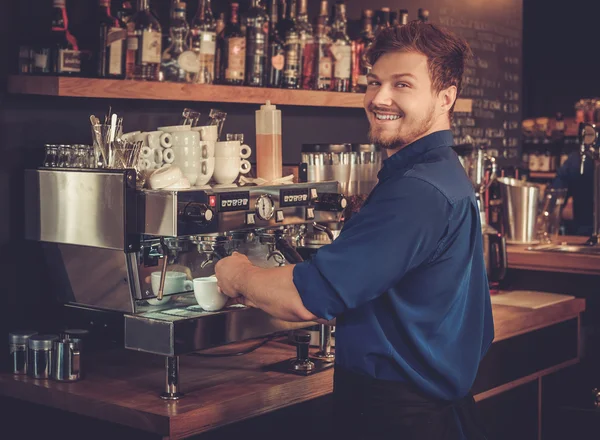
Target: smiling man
[(406, 278)]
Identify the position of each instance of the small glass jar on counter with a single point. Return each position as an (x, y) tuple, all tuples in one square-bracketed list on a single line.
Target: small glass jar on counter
[(18, 350), (39, 356)]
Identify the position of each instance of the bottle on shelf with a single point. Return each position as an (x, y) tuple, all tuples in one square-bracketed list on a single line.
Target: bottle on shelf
[(257, 44), (234, 50), (179, 63), (109, 54), (307, 45), (203, 41), (382, 19), (57, 52), (403, 14), (292, 70), (423, 15), (359, 46), (276, 54), (144, 47), (220, 31), (125, 12), (323, 72), (341, 49), (394, 18)]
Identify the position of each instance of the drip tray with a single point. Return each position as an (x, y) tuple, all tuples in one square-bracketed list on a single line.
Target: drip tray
[(567, 248)]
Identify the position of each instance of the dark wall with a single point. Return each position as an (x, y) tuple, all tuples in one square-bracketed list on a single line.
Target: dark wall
[(560, 60)]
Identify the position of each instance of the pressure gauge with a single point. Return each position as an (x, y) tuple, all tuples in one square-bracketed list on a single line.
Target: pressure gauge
[(265, 207)]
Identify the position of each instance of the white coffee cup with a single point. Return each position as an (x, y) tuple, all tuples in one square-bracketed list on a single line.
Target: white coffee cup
[(207, 294), (130, 136), (141, 137), (175, 282), (228, 168), (187, 158), (207, 149), (232, 149), (173, 128), (185, 138), (208, 132), (165, 176), (154, 139), (206, 168)]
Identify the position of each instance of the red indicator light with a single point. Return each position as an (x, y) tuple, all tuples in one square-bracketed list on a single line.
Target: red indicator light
[(212, 201)]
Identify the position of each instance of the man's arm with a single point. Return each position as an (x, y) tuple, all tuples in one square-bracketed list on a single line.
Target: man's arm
[(271, 290)]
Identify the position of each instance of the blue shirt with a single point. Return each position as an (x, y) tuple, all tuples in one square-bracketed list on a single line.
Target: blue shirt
[(406, 277), (581, 188)]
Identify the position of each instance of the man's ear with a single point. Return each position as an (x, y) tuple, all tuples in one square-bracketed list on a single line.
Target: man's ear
[(447, 98)]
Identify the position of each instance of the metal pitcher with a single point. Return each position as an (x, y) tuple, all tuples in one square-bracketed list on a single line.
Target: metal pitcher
[(67, 360)]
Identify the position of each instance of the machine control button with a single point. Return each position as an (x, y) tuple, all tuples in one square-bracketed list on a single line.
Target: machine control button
[(279, 216), (313, 193), (331, 202), (250, 219), (198, 212), (265, 207), (310, 213)]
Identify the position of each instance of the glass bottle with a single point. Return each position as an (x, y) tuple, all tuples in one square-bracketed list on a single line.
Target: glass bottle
[(220, 31), (125, 12), (291, 71), (423, 15), (341, 49), (179, 63), (57, 52), (360, 45), (234, 50), (203, 41), (403, 17), (383, 19), (307, 45), (257, 44), (144, 47), (394, 18), (276, 56), (109, 53), (323, 58)]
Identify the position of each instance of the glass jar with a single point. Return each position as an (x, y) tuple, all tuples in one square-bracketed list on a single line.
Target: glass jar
[(51, 158), (39, 356), (65, 156), (18, 350), (327, 162)]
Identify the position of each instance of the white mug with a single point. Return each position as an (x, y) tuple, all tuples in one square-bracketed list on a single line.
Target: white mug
[(228, 168), (141, 137), (130, 136), (208, 132), (207, 294), (154, 139), (175, 282), (232, 149), (207, 148), (187, 158), (173, 128), (206, 168), (185, 138)]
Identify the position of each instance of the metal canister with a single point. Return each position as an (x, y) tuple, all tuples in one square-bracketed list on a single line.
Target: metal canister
[(67, 360), (18, 350), (39, 356)]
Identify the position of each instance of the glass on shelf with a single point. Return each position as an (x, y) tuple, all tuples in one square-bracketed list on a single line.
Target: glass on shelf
[(65, 156), (51, 157), (549, 218)]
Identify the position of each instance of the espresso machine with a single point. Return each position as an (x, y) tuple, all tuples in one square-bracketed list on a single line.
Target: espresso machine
[(111, 246), (482, 171)]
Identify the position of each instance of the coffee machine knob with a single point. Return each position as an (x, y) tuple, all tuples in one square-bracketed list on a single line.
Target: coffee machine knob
[(331, 202), (198, 212)]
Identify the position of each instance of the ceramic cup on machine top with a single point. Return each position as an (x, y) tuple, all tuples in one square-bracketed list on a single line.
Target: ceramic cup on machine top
[(227, 169), (232, 149), (208, 132)]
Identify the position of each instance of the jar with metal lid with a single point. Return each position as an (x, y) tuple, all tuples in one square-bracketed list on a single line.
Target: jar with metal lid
[(328, 162), (18, 350), (39, 356)]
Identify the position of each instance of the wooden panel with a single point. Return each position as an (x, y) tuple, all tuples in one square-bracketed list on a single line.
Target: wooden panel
[(120, 89), (521, 258)]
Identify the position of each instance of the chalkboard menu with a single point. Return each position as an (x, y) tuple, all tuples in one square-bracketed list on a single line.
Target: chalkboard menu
[(493, 79)]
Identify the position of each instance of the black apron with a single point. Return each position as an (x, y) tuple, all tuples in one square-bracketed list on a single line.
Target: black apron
[(373, 409)]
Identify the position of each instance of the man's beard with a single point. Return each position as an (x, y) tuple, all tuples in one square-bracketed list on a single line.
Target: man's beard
[(403, 139)]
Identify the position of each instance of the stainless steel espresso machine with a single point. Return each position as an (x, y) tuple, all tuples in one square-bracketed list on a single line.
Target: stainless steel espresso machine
[(116, 246)]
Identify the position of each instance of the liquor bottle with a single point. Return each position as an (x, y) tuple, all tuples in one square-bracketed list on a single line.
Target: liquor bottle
[(234, 50), (291, 72), (324, 59), (109, 54), (341, 49), (424, 15), (58, 52), (276, 55), (220, 31), (359, 46), (394, 18), (125, 12), (203, 41), (307, 45), (144, 47), (257, 44), (383, 19), (403, 17), (179, 63)]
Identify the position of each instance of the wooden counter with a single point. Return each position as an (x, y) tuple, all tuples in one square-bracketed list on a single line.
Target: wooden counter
[(521, 258), (122, 386)]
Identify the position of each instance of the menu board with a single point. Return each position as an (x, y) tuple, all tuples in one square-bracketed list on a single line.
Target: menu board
[(493, 79)]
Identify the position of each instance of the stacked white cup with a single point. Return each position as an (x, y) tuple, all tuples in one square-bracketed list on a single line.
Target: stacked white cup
[(206, 162), (230, 161)]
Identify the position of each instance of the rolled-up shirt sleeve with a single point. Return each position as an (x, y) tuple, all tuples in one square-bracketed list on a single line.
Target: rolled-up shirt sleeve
[(401, 227)]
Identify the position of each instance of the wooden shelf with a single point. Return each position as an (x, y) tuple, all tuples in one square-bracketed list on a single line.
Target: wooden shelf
[(126, 89), (542, 175)]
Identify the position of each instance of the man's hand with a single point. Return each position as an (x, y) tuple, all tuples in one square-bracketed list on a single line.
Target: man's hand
[(231, 273)]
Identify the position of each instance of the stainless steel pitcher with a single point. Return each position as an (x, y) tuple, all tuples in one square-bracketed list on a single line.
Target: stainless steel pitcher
[(67, 360)]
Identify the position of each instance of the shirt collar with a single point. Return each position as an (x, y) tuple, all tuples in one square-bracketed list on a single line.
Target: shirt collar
[(408, 154)]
